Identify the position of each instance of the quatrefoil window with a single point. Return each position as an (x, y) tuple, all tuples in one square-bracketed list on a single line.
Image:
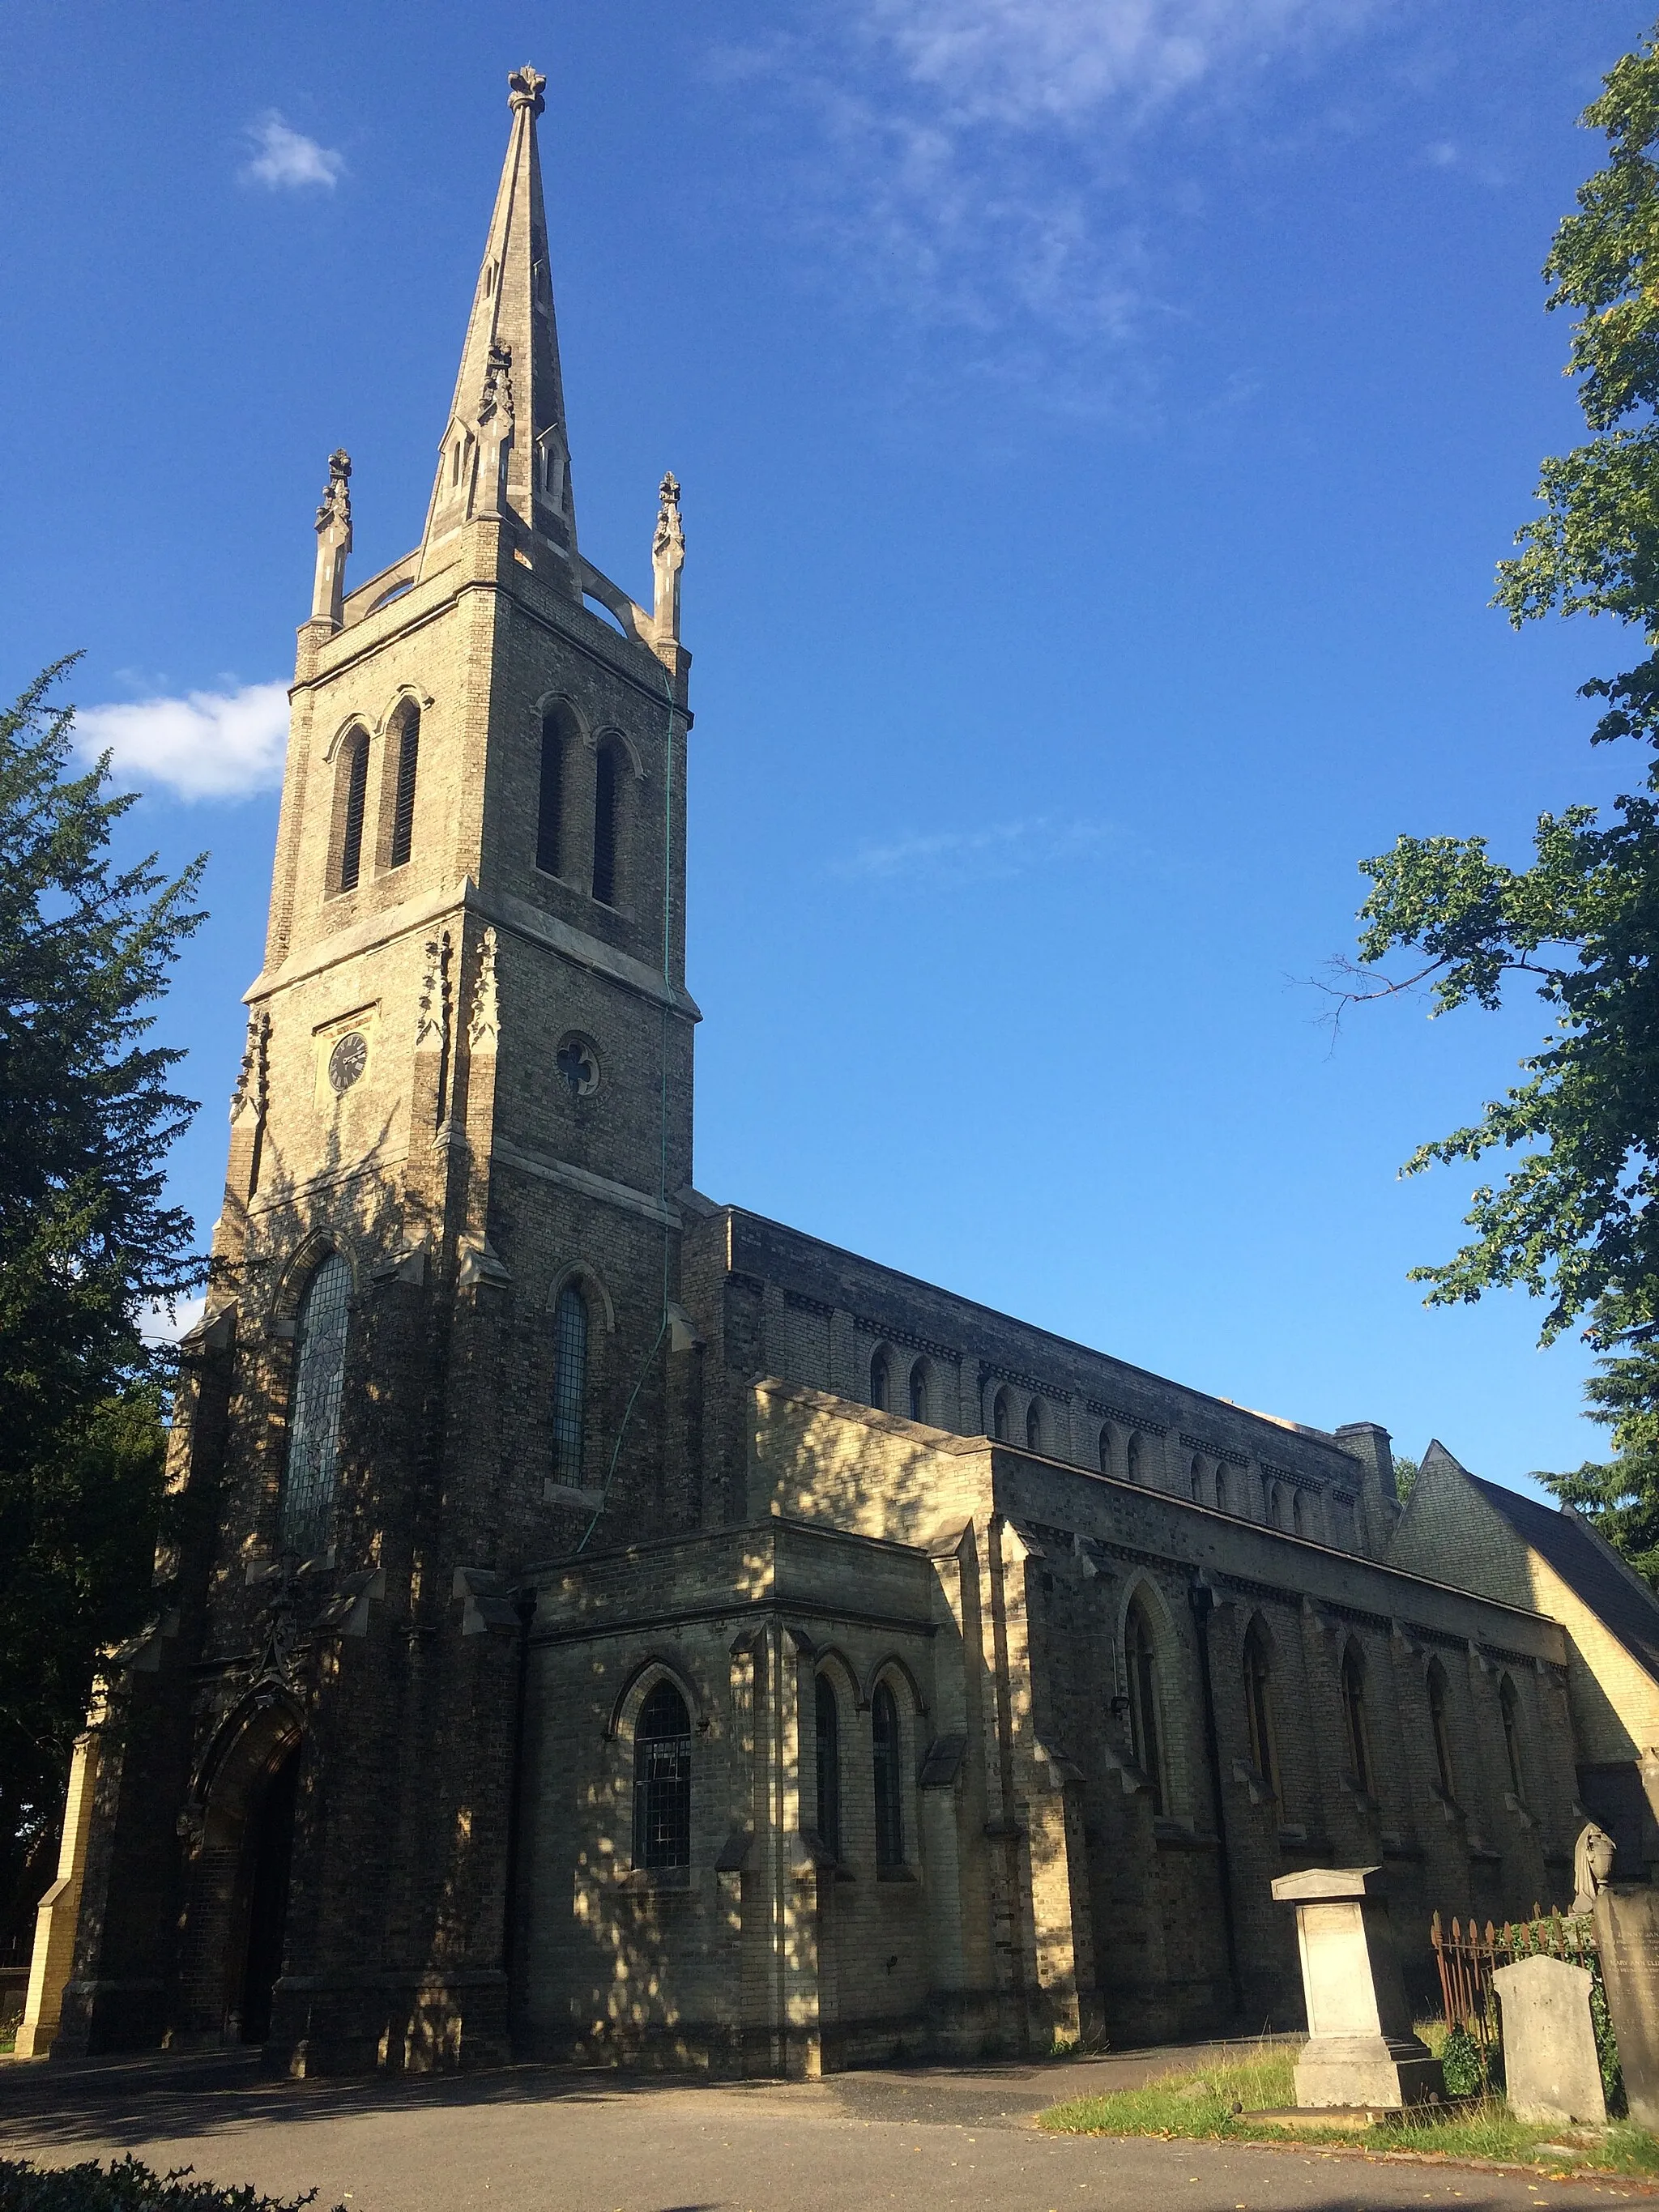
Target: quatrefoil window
[(577, 1064)]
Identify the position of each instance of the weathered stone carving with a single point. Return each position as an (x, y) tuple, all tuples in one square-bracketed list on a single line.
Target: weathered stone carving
[(667, 559), (484, 1030), (1592, 1865), (333, 542), (524, 90)]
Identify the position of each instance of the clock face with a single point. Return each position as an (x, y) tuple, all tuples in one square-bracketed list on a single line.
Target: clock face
[(347, 1060)]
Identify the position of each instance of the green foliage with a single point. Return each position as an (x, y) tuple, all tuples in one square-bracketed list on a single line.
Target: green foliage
[(1406, 1472), (1621, 1497), (1462, 2065), (86, 1243), (1573, 1219), (128, 2185)]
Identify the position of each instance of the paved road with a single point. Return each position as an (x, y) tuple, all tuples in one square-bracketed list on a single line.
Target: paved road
[(534, 2139)]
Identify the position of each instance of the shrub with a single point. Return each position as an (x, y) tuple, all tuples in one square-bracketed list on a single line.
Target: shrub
[(129, 2187), (1462, 2064)]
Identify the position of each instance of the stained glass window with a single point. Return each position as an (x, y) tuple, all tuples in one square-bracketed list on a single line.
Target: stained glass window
[(662, 1780), (569, 1384), (313, 1425)]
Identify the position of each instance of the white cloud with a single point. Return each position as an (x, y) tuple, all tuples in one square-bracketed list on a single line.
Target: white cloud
[(287, 161), (210, 745), (157, 1324), (1000, 850)]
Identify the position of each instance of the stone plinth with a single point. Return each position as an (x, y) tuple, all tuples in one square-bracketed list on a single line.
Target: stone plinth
[(1360, 2048), (1551, 2069), (1627, 1935)]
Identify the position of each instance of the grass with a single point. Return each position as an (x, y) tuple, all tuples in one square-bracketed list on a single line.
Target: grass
[(1200, 2103)]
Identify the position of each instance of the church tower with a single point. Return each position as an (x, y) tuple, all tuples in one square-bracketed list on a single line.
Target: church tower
[(442, 1338)]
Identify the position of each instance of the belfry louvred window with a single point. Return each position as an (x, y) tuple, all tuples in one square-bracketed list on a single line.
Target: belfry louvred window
[(354, 768), (402, 810), (313, 1421), (662, 1780)]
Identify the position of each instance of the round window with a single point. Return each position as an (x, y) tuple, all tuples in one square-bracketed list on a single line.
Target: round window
[(578, 1065), (347, 1060)]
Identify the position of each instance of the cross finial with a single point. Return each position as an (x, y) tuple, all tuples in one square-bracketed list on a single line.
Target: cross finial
[(524, 89)]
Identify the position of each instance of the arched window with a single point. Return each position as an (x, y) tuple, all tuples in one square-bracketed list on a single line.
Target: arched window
[(1440, 1726), (918, 1392), (403, 808), (828, 1733), (1353, 1718), (1258, 1704), (1296, 1513), (1275, 1505), (1509, 1705), (1104, 1450), (607, 796), (889, 1777), (1145, 1734), (1134, 1459), (1034, 1427), (354, 769), (1222, 1495), (569, 1384), (1000, 1417), (1196, 1481), (550, 805), (662, 1780), (314, 1423), (881, 1382)]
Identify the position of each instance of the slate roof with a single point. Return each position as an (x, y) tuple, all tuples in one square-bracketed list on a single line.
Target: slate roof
[(1608, 1589)]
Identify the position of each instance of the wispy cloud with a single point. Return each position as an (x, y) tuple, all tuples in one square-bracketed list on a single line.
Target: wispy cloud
[(998, 851), (975, 162), (287, 161), (210, 744), (160, 1324)]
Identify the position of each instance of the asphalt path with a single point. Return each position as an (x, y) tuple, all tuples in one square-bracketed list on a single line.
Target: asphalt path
[(544, 2139)]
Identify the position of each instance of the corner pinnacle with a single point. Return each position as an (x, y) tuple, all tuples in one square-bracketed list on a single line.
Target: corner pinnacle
[(524, 90)]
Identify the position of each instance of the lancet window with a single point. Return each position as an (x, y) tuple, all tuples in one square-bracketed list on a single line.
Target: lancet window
[(1145, 1731), (569, 1384), (889, 1764), (607, 801), (354, 772), (827, 1712), (662, 1780), (403, 806), (313, 1425)]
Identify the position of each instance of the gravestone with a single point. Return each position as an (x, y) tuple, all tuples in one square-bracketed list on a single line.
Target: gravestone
[(1551, 2068), (1627, 1935), (1360, 2048)]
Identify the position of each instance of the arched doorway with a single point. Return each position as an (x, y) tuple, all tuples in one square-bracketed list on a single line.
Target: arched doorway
[(268, 1852)]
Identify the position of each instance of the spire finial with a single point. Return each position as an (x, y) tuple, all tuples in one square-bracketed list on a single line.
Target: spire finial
[(333, 542), (524, 90), (667, 559)]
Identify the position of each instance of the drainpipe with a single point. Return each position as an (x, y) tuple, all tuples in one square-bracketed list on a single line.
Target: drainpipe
[(524, 1604), (1201, 1598)]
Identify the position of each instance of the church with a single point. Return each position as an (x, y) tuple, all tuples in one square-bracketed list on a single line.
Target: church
[(598, 1623)]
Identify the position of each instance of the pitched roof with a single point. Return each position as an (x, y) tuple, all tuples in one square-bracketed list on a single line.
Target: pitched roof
[(1587, 1566)]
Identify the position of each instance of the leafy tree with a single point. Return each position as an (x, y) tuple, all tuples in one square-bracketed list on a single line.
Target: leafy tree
[(86, 1241), (1574, 1219)]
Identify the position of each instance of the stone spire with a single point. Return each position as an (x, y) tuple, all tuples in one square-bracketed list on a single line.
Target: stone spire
[(504, 451)]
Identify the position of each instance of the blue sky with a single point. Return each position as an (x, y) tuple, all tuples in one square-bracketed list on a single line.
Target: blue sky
[(1098, 424)]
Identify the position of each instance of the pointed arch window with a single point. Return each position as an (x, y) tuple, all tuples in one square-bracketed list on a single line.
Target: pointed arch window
[(888, 1758), (1297, 1513), (354, 773), (1000, 1417), (918, 1392), (1034, 1427), (1133, 1459), (607, 800), (1222, 1493), (569, 1385), (313, 1425), (1258, 1704), (1509, 1707), (1145, 1732), (881, 1382), (1440, 1726), (1196, 1481), (403, 806), (1355, 1726), (550, 805), (827, 1714), (1104, 1450), (662, 1780)]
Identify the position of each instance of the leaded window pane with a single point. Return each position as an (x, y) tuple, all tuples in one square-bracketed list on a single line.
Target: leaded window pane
[(314, 1428), (662, 1780), (888, 1778), (569, 1385)]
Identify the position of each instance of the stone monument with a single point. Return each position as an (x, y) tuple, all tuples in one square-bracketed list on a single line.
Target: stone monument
[(1360, 2048), (1627, 1937), (1592, 1866), (1551, 2067)]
